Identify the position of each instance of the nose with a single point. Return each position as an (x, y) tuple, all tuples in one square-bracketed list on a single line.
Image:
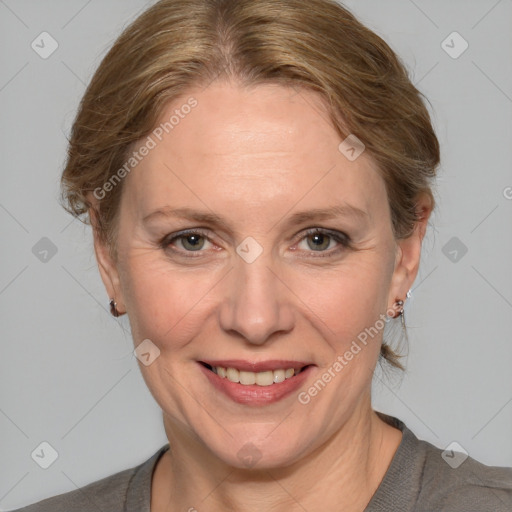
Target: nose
[(257, 304)]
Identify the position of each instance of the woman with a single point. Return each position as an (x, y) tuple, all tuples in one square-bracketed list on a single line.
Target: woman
[(258, 177)]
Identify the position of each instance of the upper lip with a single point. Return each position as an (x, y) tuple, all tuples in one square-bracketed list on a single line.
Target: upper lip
[(260, 366)]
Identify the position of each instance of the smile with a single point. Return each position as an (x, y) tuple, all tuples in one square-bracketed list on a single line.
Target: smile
[(248, 378), (267, 383)]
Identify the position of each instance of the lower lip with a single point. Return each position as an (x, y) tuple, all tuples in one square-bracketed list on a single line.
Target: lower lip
[(253, 394)]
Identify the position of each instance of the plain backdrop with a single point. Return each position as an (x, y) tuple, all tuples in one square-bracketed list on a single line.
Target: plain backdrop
[(68, 376)]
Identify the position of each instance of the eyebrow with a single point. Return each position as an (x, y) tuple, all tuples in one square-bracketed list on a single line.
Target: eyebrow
[(342, 210)]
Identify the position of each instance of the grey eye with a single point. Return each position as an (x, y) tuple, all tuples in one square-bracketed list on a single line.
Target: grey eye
[(318, 241), (192, 242)]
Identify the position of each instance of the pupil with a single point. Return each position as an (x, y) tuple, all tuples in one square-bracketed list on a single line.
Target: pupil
[(319, 241), (194, 242)]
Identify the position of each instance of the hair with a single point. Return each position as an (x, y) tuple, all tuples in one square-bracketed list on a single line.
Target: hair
[(317, 45)]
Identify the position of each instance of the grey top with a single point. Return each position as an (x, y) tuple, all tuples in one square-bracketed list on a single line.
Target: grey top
[(417, 480)]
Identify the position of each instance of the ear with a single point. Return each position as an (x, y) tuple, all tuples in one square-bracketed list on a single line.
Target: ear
[(106, 262), (408, 254)]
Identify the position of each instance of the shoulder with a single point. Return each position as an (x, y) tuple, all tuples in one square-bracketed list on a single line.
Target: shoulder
[(424, 478), (110, 493), (452, 480), (105, 494)]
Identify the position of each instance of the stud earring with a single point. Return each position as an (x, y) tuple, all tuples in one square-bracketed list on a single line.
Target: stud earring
[(113, 308)]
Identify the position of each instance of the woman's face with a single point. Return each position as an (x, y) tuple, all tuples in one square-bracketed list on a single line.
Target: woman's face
[(253, 174)]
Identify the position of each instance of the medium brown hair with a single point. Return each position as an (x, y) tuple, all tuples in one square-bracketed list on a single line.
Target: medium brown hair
[(315, 44)]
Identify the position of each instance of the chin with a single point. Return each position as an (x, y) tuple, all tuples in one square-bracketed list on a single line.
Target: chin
[(259, 452)]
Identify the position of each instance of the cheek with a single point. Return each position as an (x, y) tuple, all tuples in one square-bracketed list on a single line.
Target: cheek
[(349, 298), (161, 300)]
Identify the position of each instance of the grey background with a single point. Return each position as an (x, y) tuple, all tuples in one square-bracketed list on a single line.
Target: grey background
[(67, 372)]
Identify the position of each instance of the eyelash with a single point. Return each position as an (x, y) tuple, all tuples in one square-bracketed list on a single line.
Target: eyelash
[(341, 238)]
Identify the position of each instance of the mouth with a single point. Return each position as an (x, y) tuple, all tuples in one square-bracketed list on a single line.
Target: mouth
[(267, 377), (256, 384)]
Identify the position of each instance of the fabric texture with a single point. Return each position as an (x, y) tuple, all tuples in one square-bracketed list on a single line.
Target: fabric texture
[(417, 480)]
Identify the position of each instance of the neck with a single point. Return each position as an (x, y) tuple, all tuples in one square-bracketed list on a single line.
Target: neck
[(345, 472)]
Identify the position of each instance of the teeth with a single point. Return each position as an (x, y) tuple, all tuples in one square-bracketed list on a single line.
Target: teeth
[(279, 376), (266, 378)]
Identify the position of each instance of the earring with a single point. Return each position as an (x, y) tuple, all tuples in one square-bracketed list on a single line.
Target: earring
[(399, 304), (113, 308)]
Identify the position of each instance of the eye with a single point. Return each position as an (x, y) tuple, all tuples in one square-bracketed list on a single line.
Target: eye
[(187, 241), (314, 240), (321, 240)]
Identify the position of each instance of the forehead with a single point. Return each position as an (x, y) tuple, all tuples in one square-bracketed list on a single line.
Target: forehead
[(266, 145)]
